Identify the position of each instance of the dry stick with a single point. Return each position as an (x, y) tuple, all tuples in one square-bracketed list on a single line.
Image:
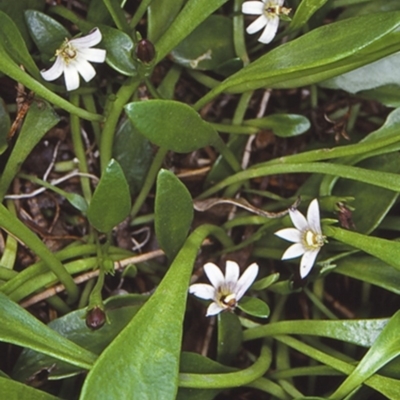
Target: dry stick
[(88, 275)]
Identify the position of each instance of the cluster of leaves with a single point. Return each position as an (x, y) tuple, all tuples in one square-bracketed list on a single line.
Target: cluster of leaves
[(331, 47)]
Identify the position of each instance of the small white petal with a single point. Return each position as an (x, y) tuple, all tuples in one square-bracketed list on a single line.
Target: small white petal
[(93, 55), (202, 290), (307, 262), (213, 309), (214, 275), (55, 71), (71, 77), (290, 234), (232, 272), (85, 69), (93, 38), (313, 217), (295, 250), (279, 2), (253, 7), (246, 280), (257, 25), (299, 220), (270, 30)]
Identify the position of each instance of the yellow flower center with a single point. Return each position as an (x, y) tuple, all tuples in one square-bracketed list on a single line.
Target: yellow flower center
[(226, 299), (67, 51), (271, 10), (313, 240)]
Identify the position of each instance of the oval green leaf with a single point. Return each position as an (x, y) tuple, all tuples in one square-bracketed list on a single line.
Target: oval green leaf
[(283, 125), (209, 46), (173, 212), (111, 200), (134, 154), (170, 124), (47, 33), (254, 307)]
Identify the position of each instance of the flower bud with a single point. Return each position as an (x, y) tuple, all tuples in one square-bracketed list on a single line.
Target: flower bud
[(145, 51), (95, 318)]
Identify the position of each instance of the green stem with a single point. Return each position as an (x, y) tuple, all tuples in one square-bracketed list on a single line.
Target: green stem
[(117, 15), (386, 180), (235, 129), (110, 125), (14, 226), (230, 379), (9, 68), (90, 105), (139, 13), (238, 33), (148, 183), (58, 304), (80, 152)]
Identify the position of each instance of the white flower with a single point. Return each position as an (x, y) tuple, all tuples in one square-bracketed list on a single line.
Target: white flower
[(73, 60), (224, 291), (307, 237), (268, 11)]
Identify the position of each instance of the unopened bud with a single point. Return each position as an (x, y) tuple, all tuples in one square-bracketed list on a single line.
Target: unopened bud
[(95, 318), (145, 51)]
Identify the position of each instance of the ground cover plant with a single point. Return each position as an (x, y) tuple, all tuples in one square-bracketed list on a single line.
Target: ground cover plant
[(199, 199)]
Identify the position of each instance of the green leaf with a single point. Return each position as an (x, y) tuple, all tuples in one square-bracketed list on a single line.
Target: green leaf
[(177, 127), (14, 43), (173, 212), (73, 327), (15, 10), (304, 12), (118, 44), (47, 33), (365, 217), (265, 282), (145, 355), (371, 270), (385, 71), (12, 390), (111, 200), (254, 307), (283, 125), (161, 14), (21, 328), (209, 46), (193, 14), (134, 154), (5, 125), (362, 332), (39, 120), (347, 45), (386, 250), (230, 336), (385, 349)]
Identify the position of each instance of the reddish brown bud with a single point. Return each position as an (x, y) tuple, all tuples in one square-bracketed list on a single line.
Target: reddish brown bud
[(145, 51), (95, 318)]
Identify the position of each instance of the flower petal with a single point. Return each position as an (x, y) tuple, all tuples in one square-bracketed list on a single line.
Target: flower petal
[(55, 71), (202, 290), (313, 217), (246, 280), (307, 262), (94, 37), (270, 30), (85, 69), (214, 275), (290, 234), (213, 309), (232, 272), (253, 7), (71, 77), (257, 25), (298, 219), (93, 55), (295, 250), (279, 2)]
